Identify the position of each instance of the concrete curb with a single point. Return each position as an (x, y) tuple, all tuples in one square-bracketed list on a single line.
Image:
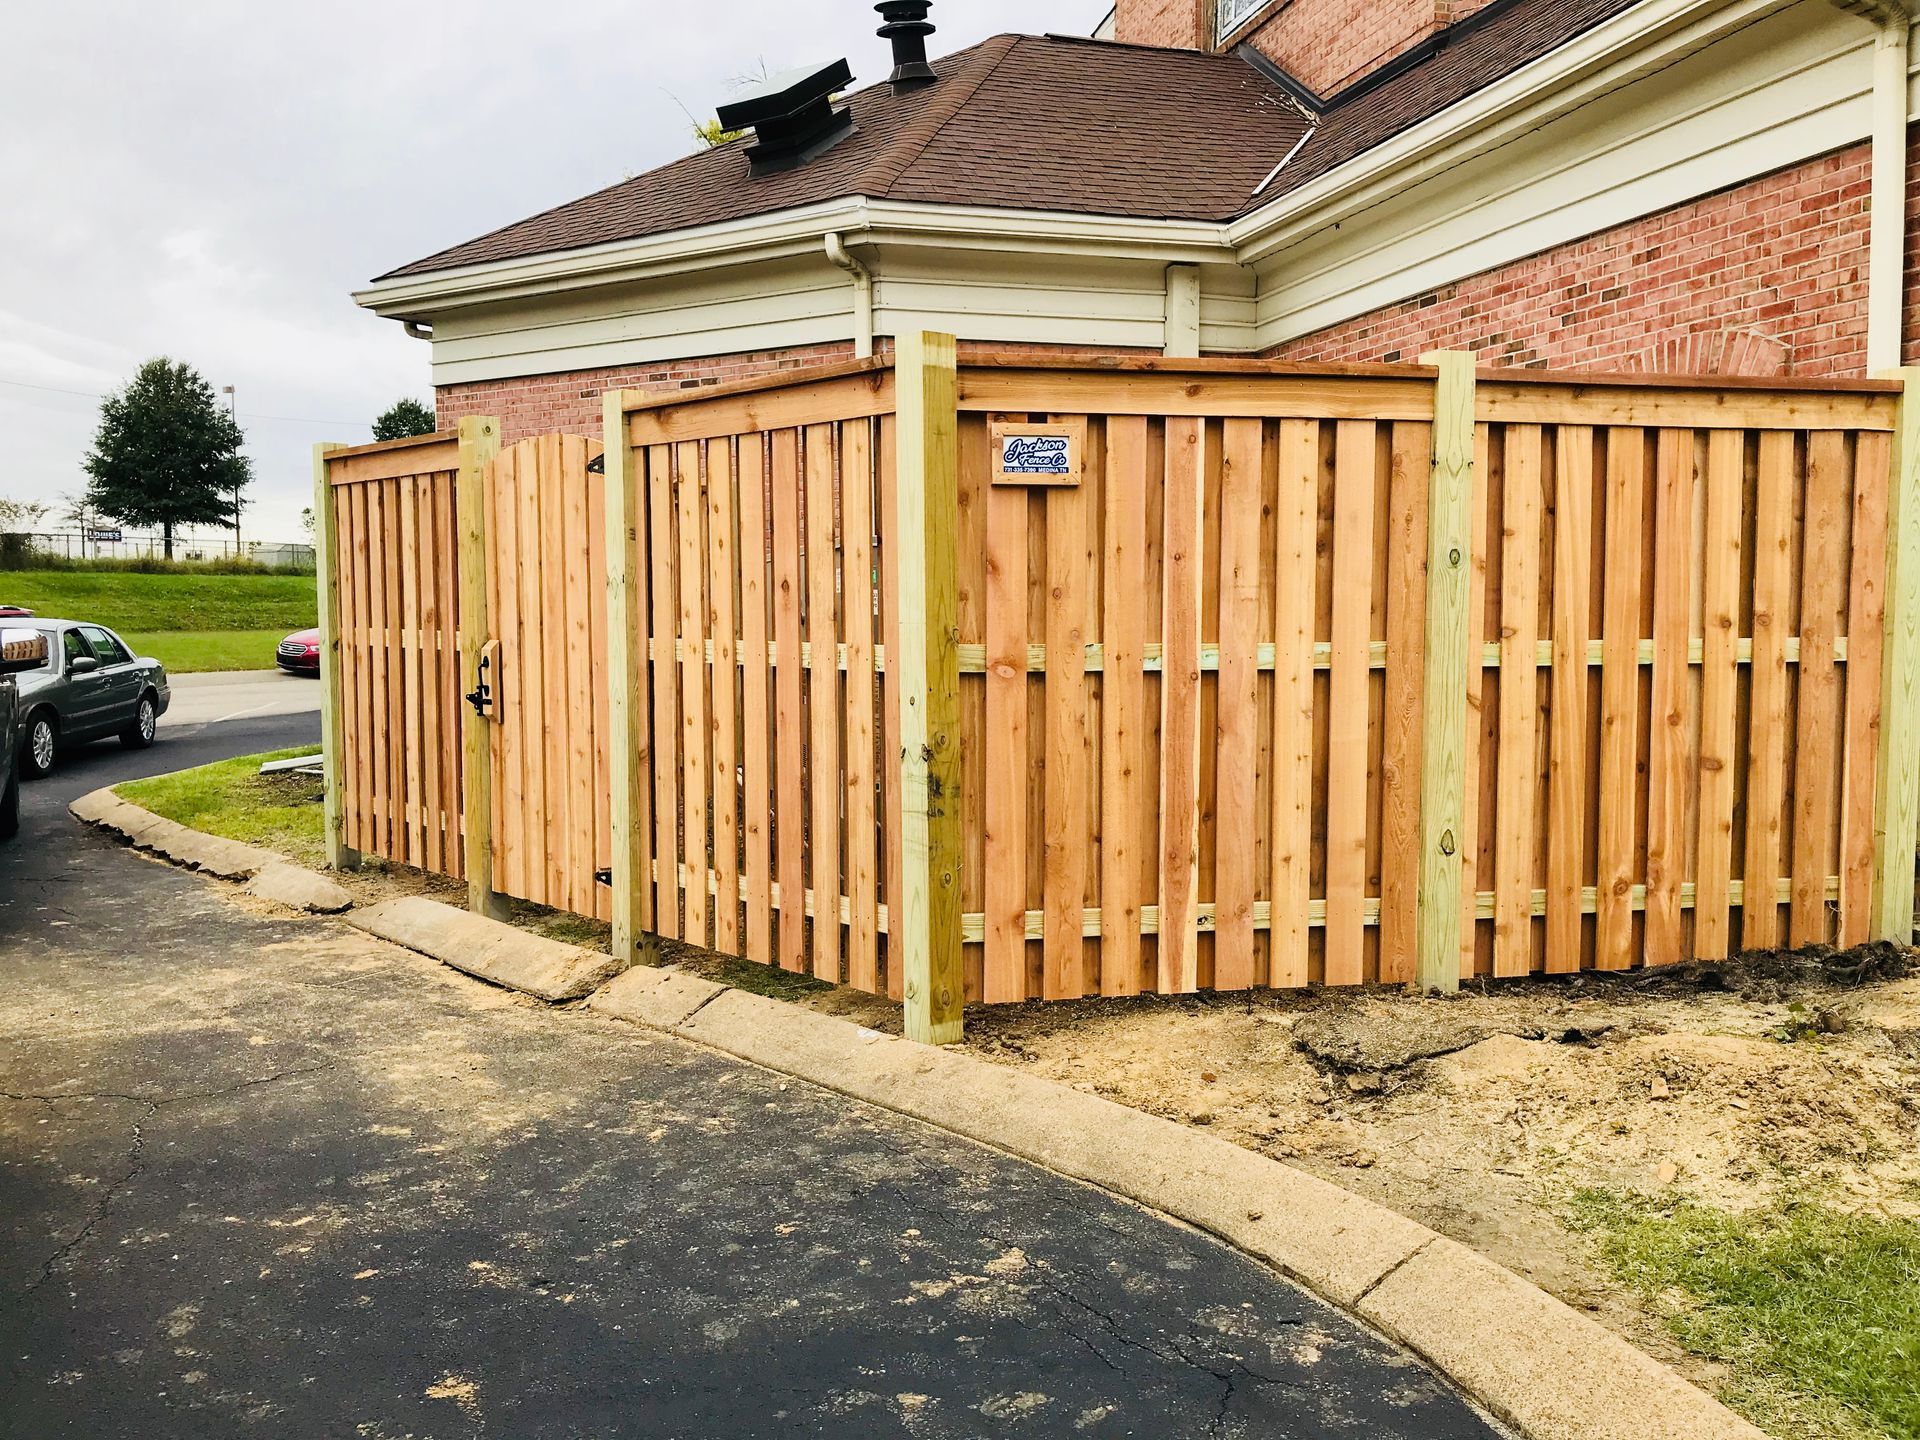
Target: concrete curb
[(488, 949), (298, 888), (1530, 1360), (144, 830)]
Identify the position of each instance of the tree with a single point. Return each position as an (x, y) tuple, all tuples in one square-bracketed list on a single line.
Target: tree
[(167, 453), (404, 418), (712, 134), (21, 515)]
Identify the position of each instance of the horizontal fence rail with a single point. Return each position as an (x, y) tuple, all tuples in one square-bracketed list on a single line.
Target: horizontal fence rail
[(1033, 678)]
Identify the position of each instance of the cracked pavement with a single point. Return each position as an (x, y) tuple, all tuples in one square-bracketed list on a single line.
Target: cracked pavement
[(263, 1175)]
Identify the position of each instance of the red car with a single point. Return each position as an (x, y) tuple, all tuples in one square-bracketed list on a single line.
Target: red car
[(299, 653), (14, 612)]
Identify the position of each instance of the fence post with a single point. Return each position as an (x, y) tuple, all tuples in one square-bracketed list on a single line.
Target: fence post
[(326, 546), (1896, 797), (479, 443), (1444, 739), (626, 698), (927, 670)]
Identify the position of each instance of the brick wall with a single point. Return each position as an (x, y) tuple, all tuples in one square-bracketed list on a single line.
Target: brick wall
[(1765, 278), (568, 402), (1174, 24), (1328, 44)]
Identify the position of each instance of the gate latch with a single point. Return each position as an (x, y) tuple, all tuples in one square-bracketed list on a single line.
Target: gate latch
[(481, 696)]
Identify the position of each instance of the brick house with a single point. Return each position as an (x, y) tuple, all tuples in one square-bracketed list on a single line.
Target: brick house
[(1696, 185)]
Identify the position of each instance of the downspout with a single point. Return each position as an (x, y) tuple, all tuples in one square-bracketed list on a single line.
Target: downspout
[(1887, 226), (838, 253), (1182, 335), (416, 330)]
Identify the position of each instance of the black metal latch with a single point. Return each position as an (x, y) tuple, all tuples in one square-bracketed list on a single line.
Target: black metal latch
[(597, 465), (481, 696), (603, 877)]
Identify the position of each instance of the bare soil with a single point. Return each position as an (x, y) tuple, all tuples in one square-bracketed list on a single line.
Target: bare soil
[(1737, 1085)]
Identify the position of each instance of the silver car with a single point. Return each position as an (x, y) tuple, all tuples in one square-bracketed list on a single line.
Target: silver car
[(21, 651), (94, 686)]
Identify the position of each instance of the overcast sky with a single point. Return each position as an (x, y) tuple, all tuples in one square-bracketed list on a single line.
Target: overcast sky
[(208, 179)]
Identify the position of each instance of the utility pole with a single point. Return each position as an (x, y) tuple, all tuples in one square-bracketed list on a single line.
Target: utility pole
[(233, 412)]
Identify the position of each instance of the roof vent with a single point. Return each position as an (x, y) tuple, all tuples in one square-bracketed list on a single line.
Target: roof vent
[(792, 116), (907, 27)]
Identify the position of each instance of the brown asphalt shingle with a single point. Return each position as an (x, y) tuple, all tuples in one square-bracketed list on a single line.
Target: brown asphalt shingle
[(1058, 124)]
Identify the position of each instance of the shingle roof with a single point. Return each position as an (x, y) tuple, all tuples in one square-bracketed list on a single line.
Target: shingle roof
[(1489, 45), (1061, 124)]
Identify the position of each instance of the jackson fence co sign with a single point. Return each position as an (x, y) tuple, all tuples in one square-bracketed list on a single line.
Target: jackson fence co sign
[(1030, 454)]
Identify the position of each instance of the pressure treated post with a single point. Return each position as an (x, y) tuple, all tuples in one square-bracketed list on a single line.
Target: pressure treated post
[(626, 698), (928, 673), (479, 443), (326, 549), (1444, 735), (1896, 788)]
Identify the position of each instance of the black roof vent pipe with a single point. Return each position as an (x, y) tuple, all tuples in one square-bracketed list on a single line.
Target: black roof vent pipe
[(792, 116), (908, 28)]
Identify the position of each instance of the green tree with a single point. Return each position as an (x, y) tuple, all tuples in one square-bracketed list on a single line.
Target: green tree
[(167, 453), (402, 419), (712, 134)]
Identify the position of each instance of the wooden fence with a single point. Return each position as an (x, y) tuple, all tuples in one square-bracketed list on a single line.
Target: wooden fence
[(385, 525), (1036, 678)]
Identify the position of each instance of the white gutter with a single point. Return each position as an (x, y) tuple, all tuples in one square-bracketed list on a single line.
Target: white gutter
[(862, 294), (788, 234), (1887, 227)]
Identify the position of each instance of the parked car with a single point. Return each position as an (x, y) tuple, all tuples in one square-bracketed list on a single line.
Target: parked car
[(92, 687), (21, 652), (299, 653), (15, 612)]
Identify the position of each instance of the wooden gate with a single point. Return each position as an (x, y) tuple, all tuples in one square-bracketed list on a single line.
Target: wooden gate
[(385, 521), (545, 669)]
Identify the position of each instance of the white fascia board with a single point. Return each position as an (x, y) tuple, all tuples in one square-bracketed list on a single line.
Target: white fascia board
[(801, 231), (783, 234), (1639, 41)]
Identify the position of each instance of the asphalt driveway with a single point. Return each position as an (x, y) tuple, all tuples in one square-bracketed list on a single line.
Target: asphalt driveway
[(262, 1175)]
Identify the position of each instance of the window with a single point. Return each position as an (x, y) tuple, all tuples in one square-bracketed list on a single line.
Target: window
[(106, 649), (1230, 15), (75, 647)]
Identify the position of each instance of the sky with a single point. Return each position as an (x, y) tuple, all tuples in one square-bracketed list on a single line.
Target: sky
[(209, 179)]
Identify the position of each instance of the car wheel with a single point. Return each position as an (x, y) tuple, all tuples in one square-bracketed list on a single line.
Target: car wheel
[(39, 746), (139, 735), (10, 809)]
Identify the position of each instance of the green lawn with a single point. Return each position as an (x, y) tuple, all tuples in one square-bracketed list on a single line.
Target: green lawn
[(232, 798), (1816, 1313), (166, 604), (186, 654)]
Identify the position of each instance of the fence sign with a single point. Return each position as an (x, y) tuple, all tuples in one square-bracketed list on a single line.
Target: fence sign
[(1047, 454), (104, 537)]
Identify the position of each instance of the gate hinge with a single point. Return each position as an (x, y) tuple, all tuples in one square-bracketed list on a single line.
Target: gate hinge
[(603, 877), (597, 465)]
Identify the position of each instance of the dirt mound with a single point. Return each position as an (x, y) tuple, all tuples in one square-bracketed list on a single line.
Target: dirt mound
[(1350, 1041)]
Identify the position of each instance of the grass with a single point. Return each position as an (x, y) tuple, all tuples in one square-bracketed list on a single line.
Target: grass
[(169, 604), (232, 798), (1813, 1311), (196, 651)]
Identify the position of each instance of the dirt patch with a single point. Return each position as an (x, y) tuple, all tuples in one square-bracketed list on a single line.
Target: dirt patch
[(1737, 1085)]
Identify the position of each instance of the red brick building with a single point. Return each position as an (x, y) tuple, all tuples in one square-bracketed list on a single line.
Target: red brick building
[(1697, 185)]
